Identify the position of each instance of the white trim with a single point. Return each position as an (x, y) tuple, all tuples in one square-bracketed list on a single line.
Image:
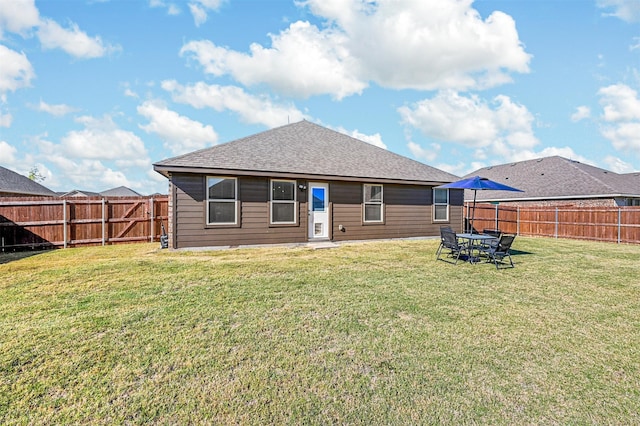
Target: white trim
[(318, 217), (374, 203), (234, 201), (447, 204), (294, 202)]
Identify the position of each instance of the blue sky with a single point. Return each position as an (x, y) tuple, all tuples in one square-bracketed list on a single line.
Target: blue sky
[(93, 92)]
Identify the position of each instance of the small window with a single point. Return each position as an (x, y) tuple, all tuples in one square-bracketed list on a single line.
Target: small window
[(441, 205), (283, 202), (222, 201), (373, 203)]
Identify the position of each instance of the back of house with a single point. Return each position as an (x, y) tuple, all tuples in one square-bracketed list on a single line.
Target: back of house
[(301, 183)]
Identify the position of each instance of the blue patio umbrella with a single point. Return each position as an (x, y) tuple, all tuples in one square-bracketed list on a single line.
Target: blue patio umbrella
[(476, 184)]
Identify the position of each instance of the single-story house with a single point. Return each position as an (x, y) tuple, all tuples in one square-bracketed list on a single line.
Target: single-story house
[(300, 183), (78, 193), (558, 181), (120, 191), (13, 184)]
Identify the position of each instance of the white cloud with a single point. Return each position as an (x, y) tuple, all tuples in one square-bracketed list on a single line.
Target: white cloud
[(18, 16), (618, 165), (101, 139), (627, 10), (5, 119), (180, 134), (375, 139), (410, 44), (130, 93), (7, 153), (200, 9), (303, 62), (620, 103), (251, 109), (624, 136), (72, 40), (58, 110), (172, 8), (582, 112), (91, 175), (472, 122), (423, 154), (621, 116), (16, 70)]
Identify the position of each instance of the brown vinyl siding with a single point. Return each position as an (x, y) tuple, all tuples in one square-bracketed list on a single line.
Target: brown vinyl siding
[(407, 213), (253, 218)]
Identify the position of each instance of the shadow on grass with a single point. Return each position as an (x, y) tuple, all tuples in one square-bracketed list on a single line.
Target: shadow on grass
[(6, 257), (519, 252)]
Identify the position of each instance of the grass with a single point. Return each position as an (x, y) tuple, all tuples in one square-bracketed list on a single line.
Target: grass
[(369, 333)]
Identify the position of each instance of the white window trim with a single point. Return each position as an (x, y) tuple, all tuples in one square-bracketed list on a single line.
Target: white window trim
[(440, 204), (294, 202), (234, 201), (377, 203)]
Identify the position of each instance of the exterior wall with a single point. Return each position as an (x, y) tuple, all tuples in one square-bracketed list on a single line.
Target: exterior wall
[(190, 228), (407, 213)]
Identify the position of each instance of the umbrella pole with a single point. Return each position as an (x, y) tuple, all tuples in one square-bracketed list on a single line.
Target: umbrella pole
[(473, 213)]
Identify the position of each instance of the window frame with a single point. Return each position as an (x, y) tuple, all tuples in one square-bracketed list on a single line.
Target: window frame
[(436, 204), (224, 200), (294, 202), (366, 203)]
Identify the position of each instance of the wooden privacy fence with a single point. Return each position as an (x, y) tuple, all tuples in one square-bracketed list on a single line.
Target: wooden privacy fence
[(614, 224), (40, 222)]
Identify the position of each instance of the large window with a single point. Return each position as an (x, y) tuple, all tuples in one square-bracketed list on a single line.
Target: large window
[(222, 200), (373, 203), (283, 202), (441, 205)]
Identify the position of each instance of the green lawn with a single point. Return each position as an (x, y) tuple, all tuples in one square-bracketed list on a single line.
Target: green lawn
[(367, 333)]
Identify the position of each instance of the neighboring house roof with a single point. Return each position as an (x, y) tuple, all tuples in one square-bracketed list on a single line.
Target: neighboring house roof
[(14, 184), (303, 150), (121, 191), (556, 178), (79, 193)]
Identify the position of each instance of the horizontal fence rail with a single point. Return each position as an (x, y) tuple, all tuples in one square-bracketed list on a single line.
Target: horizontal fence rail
[(39, 222), (613, 224)]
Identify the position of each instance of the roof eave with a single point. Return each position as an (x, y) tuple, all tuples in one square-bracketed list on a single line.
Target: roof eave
[(167, 170)]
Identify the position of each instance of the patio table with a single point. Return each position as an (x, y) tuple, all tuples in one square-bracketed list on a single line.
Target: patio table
[(474, 243)]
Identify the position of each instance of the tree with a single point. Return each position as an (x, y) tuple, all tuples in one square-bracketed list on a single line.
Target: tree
[(35, 175)]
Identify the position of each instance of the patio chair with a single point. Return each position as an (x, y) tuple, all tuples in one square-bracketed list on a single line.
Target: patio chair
[(449, 242), (442, 230), (494, 233), (496, 253)]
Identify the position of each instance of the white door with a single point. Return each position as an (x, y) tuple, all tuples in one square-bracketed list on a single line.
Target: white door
[(318, 210)]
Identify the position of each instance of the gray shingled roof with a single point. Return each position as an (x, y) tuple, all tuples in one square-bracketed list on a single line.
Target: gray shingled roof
[(14, 183), (121, 191), (305, 149), (556, 178)]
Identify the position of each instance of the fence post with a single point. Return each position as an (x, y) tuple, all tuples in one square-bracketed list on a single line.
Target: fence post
[(64, 223), (497, 221), (518, 220), (103, 221), (556, 231), (619, 224), (151, 227)]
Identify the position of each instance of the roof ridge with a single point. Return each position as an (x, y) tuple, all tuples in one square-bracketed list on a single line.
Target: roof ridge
[(590, 175)]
